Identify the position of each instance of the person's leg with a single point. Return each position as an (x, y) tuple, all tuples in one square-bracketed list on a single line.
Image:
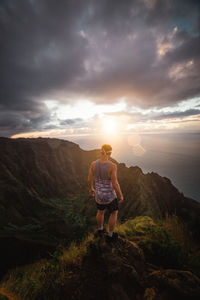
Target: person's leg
[(100, 218), (113, 210), (112, 220)]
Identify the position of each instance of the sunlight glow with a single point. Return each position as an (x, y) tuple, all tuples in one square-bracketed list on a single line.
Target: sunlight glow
[(83, 109), (112, 122), (134, 140), (109, 126)]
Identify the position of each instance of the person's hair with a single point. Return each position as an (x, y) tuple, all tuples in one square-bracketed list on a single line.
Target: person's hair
[(106, 149)]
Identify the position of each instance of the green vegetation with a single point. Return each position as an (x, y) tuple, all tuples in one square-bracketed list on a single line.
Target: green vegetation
[(62, 221), (28, 228), (133, 227), (163, 248), (3, 297), (165, 243), (44, 279), (70, 210)]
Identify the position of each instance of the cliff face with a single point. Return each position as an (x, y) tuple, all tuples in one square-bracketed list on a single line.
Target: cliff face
[(42, 167), (39, 183), (44, 199), (36, 169), (34, 175)]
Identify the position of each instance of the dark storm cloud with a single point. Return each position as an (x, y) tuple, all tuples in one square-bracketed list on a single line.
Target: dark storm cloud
[(142, 117), (40, 51), (100, 50), (128, 57), (40, 48), (12, 122), (69, 122), (178, 114)]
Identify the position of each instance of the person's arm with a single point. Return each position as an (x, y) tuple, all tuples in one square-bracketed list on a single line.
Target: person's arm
[(91, 179), (115, 183)]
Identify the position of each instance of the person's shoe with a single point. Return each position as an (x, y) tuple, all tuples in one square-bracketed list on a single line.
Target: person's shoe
[(100, 232), (113, 238)]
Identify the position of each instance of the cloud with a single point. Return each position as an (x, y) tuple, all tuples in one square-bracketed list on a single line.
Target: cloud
[(70, 122), (12, 121), (41, 50), (140, 50), (178, 114), (151, 115)]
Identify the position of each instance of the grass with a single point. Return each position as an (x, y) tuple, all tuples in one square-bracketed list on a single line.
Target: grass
[(44, 279), (75, 253), (163, 248), (179, 231), (135, 227), (168, 242), (70, 210), (3, 297)]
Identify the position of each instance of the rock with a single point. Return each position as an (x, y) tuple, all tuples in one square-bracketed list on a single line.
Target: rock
[(175, 284), (149, 294)]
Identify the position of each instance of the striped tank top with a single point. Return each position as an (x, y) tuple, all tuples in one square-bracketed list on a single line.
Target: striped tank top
[(105, 192)]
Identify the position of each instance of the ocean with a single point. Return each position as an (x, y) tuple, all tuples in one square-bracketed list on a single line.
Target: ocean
[(175, 156)]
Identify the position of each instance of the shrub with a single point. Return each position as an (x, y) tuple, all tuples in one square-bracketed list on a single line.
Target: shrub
[(162, 248), (138, 226), (3, 297), (71, 211), (45, 278)]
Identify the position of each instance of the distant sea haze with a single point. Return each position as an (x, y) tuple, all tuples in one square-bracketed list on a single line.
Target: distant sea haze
[(175, 156)]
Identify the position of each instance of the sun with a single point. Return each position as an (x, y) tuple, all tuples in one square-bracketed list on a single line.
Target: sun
[(109, 126)]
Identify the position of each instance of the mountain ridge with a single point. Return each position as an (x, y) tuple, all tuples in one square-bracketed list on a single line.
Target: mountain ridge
[(44, 195), (47, 168)]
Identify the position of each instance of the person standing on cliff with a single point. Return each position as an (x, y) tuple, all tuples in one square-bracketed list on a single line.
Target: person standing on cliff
[(104, 173)]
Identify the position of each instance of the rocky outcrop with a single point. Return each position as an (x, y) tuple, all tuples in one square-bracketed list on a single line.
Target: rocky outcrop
[(121, 271), (111, 271), (180, 284)]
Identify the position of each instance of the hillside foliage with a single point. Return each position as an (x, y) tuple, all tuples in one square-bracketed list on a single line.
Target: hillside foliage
[(49, 278)]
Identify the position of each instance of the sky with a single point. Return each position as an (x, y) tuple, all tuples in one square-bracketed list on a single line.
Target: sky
[(123, 72), (89, 67)]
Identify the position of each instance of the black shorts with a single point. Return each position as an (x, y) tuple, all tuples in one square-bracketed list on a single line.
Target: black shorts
[(112, 206)]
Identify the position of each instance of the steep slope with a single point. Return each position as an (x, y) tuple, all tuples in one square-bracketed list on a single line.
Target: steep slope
[(35, 169), (96, 269), (32, 173), (39, 182)]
